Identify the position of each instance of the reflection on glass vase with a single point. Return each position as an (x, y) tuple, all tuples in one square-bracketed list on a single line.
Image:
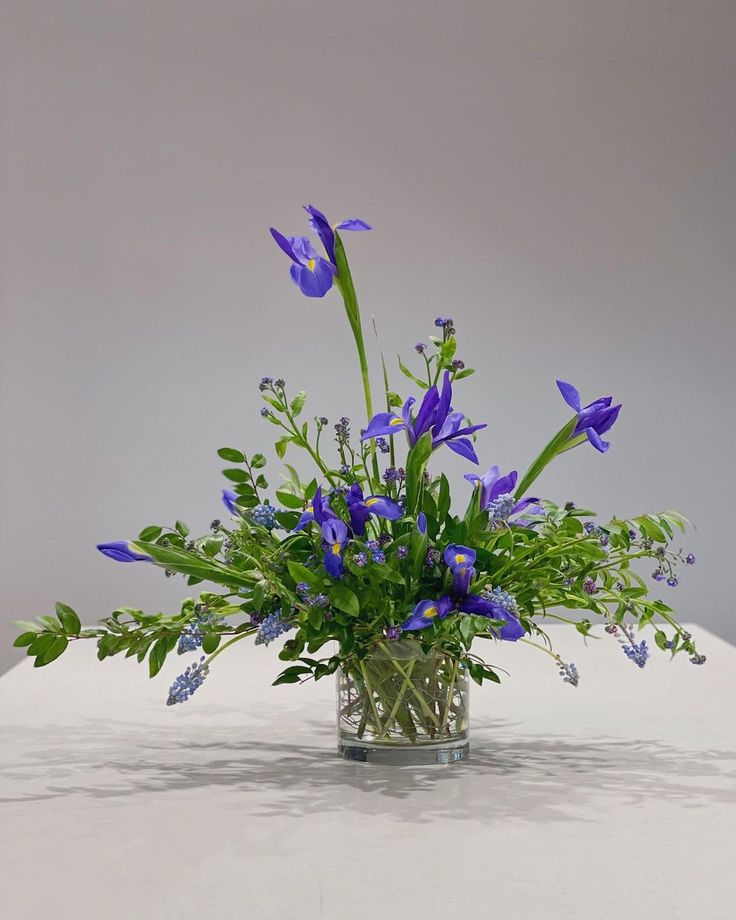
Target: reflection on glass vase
[(400, 705)]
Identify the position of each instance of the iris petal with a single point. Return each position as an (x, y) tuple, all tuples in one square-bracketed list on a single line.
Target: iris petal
[(383, 423), (384, 507), (353, 223), (464, 447), (121, 551), (569, 394), (228, 499)]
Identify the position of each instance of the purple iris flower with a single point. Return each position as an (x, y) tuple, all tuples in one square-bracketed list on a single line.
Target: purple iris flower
[(326, 233), (426, 612), (594, 419), (362, 508), (422, 522), (312, 274), (435, 414), (121, 551), (496, 494), (460, 560), (318, 510), (335, 536)]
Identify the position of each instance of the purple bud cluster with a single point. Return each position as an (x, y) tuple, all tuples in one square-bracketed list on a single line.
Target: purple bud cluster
[(589, 586), (342, 431)]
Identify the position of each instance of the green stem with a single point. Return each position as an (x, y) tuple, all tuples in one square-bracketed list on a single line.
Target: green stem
[(448, 701), (400, 698), (369, 694), (418, 696), (227, 644), (554, 447)]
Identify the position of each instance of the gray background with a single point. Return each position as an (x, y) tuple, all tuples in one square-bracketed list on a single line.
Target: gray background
[(557, 176)]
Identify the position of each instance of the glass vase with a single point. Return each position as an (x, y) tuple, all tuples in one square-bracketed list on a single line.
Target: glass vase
[(401, 705)]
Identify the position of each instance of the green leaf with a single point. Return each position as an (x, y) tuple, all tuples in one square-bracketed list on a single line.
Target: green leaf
[(231, 454), (257, 461), (467, 630), (443, 499), (661, 639), (416, 463), (210, 643), (316, 617), (297, 403), (282, 444), (292, 675), (179, 560), (300, 572), (159, 651), (236, 475), (407, 373), (558, 442), (40, 644), (182, 528), (343, 599), (25, 639), (149, 534), (68, 619), (384, 572), (56, 648), (288, 500)]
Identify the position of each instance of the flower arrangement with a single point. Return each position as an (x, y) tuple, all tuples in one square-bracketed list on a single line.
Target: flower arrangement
[(368, 559)]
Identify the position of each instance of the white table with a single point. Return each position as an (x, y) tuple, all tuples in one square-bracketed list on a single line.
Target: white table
[(614, 800)]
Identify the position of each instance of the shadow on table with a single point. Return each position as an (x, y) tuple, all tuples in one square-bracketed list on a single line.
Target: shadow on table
[(509, 774)]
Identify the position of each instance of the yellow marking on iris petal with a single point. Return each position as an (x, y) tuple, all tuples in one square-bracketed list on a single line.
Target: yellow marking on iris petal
[(371, 501), (310, 264), (429, 613), (336, 549), (396, 421), (459, 558)]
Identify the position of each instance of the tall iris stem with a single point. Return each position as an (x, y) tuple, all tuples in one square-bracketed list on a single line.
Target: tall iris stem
[(557, 445), (344, 282)]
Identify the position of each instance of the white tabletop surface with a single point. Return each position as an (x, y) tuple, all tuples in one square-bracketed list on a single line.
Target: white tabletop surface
[(613, 800)]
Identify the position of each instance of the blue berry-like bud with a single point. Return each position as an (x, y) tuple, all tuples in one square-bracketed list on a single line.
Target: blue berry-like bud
[(272, 627), (187, 683), (265, 516)]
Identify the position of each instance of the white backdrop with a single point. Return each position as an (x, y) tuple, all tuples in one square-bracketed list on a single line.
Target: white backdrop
[(557, 177)]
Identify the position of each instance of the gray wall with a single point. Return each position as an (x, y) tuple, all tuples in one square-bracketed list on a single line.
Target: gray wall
[(558, 177)]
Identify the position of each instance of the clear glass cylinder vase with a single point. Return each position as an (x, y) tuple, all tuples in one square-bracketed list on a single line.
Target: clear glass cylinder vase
[(401, 705)]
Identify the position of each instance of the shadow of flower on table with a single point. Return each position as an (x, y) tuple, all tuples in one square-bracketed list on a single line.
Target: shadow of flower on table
[(509, 774)]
